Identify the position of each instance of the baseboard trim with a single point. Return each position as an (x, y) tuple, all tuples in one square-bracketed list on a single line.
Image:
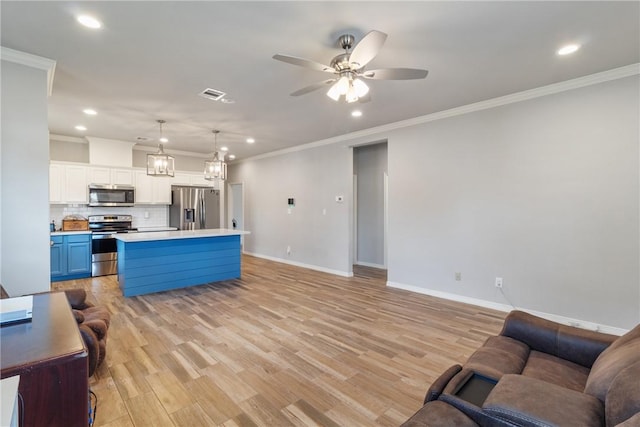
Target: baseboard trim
[(303, 265), (506, 308), (370, 264)]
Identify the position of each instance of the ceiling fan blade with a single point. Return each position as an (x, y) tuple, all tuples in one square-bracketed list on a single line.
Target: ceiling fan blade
[(395, 74), (367, 49), (313, 87), (304, 63)]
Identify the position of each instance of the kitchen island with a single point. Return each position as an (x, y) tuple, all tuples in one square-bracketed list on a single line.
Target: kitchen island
[(164, 260)]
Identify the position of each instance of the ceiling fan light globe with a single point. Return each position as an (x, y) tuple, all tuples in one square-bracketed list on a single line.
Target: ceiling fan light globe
[(343, 85), (334, 92), (352, 95), (360, 88)]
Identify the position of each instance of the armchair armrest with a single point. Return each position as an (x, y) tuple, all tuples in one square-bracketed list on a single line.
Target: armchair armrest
[(529, 402), (567, 342), (77, 299), (440, 383)]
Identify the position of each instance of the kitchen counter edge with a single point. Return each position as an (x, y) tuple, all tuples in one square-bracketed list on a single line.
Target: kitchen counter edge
[(176, 235), (66, 233)]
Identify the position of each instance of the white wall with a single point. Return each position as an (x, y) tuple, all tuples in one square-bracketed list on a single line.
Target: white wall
[(544, 193), (313, 178), (370, 165), (24, 178)]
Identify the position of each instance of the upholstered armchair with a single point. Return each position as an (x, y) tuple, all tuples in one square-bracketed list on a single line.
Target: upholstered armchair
[(93, 323)]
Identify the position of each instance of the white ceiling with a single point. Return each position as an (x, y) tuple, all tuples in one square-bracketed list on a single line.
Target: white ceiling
[(151, 59)]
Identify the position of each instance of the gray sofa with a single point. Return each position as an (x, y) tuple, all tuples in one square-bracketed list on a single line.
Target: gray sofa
[(540, 373)]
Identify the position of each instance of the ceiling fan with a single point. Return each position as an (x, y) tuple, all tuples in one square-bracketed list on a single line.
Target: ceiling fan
[(348, 68)]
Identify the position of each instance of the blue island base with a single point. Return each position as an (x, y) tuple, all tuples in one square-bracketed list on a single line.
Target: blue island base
[(160, 265)]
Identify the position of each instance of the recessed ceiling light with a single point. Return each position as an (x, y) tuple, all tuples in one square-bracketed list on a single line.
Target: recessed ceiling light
[(89, 21), (568, 49), (250, 140), (80, 127), (224, 148), (164, 139), (232, 156), (356, 113), (90, 112)]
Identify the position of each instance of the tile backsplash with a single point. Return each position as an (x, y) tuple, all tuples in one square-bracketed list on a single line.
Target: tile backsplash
[(143, 216)]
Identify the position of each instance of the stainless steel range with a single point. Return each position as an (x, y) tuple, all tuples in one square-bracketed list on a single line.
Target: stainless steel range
[(104, 252)]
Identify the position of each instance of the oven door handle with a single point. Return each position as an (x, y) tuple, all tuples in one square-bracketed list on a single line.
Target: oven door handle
[(99, 235)]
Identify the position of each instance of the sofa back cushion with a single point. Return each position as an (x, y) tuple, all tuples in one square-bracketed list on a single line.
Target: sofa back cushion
[(624, 352)]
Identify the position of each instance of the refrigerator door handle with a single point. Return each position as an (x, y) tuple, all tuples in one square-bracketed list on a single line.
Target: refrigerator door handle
[(203, 212)]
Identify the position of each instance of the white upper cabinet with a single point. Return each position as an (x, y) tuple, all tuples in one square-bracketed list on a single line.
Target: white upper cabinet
[(56, 183), (105, 175), (191, 179), (68, 184), (151, 190), (122, 176)]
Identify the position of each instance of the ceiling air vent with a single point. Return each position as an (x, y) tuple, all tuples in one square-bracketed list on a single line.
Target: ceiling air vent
[(212, 94)]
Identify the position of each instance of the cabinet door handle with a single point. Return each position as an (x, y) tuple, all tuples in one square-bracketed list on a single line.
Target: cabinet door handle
[(51, 242)]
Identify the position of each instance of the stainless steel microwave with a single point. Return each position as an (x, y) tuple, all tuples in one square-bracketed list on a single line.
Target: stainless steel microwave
[(111, 195)]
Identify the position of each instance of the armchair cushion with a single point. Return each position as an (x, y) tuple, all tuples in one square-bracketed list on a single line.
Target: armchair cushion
[(439, 414), (556, 371), (531, 402)]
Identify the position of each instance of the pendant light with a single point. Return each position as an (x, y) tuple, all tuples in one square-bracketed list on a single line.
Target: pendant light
[(215, 169), (160, 163)]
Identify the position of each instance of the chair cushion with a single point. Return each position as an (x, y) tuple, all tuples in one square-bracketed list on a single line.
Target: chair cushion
[(439, 414), (557, 371), (624, 352), (529, 402)]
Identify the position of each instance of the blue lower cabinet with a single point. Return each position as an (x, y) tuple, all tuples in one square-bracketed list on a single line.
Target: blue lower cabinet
[(58, 257), (70, 257)]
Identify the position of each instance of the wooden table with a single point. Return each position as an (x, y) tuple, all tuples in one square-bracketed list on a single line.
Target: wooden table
[(49, 355)]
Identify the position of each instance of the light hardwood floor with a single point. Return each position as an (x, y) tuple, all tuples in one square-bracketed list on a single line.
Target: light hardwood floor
[(282, 346)]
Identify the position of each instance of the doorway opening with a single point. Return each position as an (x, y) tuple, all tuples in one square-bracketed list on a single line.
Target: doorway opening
[(370, 194)]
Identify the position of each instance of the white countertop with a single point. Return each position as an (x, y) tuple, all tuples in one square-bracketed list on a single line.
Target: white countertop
[(179, 234), (65, 233), (159, 228)]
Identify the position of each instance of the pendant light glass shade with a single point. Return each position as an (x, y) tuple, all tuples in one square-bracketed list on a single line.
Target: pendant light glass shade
[(160, 163), (215, 169)]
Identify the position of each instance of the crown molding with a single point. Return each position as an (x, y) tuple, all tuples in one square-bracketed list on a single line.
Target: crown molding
[(34, 61), (592, 79), (66, 138)]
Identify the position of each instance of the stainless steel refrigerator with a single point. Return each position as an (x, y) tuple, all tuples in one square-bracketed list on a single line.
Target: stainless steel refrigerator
[(194, 208)]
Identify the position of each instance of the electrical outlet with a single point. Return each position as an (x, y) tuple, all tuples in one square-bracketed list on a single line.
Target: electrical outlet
[(498, 282), (458, 276), (288, 250)]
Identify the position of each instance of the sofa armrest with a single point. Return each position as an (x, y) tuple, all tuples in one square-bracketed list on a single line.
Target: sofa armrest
[(530, 402), (440, 383), (577, 345)]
